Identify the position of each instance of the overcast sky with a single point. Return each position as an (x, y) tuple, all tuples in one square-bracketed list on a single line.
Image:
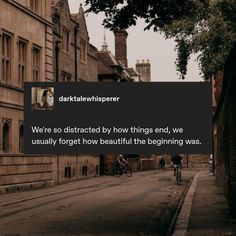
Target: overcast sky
[(141, 45)]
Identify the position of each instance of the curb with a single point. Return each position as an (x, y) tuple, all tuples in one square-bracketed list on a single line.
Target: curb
[(178, 209), (181, 225)]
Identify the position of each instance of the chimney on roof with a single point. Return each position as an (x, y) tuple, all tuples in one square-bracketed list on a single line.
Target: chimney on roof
[(121, 46), (143, 67)]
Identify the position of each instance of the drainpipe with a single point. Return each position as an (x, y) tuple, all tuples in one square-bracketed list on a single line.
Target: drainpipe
[(76, 80), (57, 49), (57, 59), (75, 51)]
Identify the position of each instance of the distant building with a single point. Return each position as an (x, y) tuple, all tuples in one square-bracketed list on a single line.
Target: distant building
[(144, 69), (114, 68), (121, 55), (133, 74), (109, 69)]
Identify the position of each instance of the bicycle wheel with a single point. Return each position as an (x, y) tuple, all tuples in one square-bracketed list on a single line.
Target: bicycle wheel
[(128, 171), (116, 171)]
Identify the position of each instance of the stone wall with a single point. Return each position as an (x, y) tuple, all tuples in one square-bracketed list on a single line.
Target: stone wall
[(195, 161), (20, 172), (72, 168), (225, 132)]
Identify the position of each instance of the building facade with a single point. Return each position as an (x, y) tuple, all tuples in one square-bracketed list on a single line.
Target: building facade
[(29, 44), (26, 52), (75, 60)]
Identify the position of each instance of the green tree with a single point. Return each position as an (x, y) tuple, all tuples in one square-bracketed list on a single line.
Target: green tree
[(207, 28)]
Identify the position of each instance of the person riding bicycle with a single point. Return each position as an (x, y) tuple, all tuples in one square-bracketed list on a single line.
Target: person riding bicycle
[(176, 160), (122, 161), (162, 163)]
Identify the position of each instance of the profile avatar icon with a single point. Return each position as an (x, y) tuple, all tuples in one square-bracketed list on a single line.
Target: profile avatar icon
[(42, 98)]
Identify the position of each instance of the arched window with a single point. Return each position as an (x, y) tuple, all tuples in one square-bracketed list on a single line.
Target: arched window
[(6, 137), (21, 139)]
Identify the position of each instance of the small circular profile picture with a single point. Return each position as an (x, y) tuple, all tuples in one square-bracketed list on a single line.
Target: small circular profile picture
[(42, 98)]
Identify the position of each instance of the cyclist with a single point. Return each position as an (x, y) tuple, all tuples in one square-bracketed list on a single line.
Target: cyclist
[(162, 163), (177, 160), (122, 162)]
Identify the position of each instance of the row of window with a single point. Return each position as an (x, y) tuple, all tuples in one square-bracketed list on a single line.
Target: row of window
[(65, 36), (68, 173), (66, 45), (22, 58), (6, 137), (22, 47), (35, 5)]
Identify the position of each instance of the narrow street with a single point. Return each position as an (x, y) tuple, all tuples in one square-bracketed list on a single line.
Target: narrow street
[(141, 205)]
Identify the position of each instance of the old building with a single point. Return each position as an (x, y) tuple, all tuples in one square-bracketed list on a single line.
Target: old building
[(26, 55), (30, 45), (75, 60), (144, 69), (109, 69), (114, 68)]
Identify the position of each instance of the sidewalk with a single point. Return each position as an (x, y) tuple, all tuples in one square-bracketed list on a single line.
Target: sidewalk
[(209, 212)]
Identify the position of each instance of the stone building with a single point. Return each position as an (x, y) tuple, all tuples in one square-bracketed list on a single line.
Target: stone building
[(144, 69), (26, 55), (75, 60), (121, 49), (29, 41), (114, 68), (109, 69)]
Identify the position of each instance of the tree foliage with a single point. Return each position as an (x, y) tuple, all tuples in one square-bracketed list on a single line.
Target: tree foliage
[(205, 27)]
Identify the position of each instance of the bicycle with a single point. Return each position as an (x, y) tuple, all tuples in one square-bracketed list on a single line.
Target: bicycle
[(119, 171), (178, 174)]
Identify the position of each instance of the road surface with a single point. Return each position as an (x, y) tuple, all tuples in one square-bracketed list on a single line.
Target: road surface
[(141, 205)]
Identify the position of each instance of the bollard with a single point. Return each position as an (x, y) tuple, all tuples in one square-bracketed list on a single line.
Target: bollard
[(211, 165)]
